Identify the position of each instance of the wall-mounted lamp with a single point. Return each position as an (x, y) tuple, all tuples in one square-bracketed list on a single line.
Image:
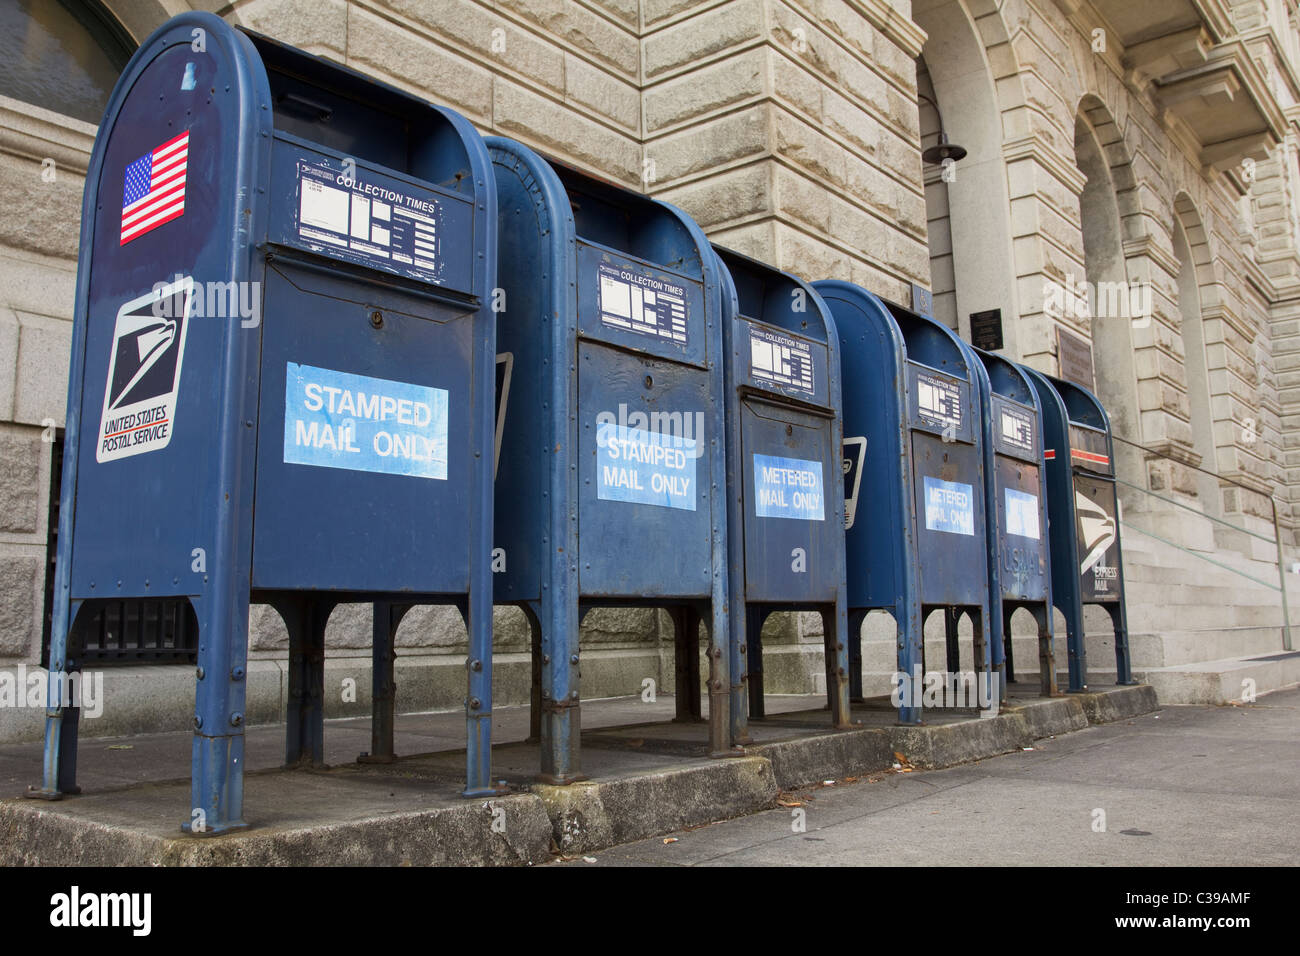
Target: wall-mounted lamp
[(944, 149)]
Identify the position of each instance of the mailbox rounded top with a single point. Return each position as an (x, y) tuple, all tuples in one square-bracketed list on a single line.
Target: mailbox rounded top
[(1049, 399), (767, 294), (930, 342), (1063, 403), (346, 111), (1081, 405), (916, 338), (607, 214), (1006, 378), (858, 312)]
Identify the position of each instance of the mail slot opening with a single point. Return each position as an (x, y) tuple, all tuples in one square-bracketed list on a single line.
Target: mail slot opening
[(632, 224), (360, 119)]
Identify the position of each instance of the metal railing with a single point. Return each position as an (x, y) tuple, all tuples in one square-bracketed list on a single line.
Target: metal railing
[(1276, 540)]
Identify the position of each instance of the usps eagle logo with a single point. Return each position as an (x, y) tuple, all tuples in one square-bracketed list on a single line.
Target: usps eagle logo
[(1096, 527), (144, 372)]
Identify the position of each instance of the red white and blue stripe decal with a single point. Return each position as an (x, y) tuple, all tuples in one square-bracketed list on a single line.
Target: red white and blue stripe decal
[(153, 188)]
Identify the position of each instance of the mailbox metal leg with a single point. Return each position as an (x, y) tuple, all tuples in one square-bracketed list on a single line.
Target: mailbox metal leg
[(561, 722), (911, 654), (61, 723), (951, 616), (1075, 648), (478, 704), (1123, 667), (686, 661), (217, 761), (1046, 651), (1000, 615), (535, 688), (835, 632), (383, 688), (70, 740), (720, 740), (59, 777), (1008, 651), (750, 683), (856, 620), (983, 658), (304, 740), (746, 653)]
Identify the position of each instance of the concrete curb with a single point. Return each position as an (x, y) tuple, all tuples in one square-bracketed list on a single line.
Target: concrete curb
[(847, 753), (33, 834), (581, 818), (590, 816)]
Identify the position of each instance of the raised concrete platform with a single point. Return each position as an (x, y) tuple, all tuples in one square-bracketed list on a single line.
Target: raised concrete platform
[(1224, 681), (648, 777)]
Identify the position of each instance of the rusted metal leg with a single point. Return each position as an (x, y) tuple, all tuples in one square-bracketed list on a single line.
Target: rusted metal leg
[(1046, 652), (999, 623), (987, 688), (477, 611), (535, 689), (835, 631), (924, 670), (561, 724), (1123, 667), (739, 650), (720, 739), (1008, 650), (911, 655), (686, 664), (305, 730), (61, 716), (754, 652), (1075, 647), (383, 687), (856, 620), (951, 616)]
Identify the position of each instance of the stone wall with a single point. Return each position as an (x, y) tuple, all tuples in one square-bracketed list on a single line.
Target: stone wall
[(790, 130)]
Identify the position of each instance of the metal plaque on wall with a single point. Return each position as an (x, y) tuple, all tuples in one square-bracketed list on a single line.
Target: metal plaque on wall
[(1074, 355)]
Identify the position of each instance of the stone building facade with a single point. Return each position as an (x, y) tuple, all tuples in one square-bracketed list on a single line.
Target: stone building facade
[(1131, 179)]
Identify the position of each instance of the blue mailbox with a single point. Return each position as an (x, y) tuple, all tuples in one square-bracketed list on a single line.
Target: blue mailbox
[(1016, 508), (329, 442), (915, 536), (610, 484), (784, 475), (1083, 509)]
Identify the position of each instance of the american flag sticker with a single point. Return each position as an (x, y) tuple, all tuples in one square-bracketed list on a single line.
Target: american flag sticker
[(153, 190)]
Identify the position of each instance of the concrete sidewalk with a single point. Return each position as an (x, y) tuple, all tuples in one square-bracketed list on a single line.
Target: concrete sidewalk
[(648, 775), (1187, 786)]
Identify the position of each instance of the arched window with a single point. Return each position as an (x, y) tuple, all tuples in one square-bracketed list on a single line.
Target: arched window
[(62, 55)]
